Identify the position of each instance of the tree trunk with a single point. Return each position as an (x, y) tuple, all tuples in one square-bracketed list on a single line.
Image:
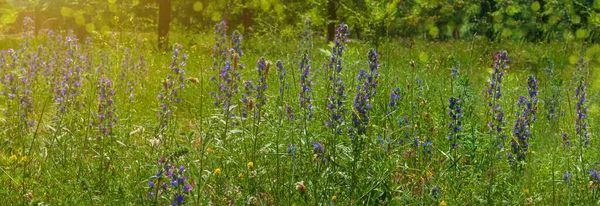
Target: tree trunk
[(164, 21), (246, 17), (332, 17)]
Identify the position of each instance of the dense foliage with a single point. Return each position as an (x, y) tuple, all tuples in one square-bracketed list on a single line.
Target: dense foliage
[(370, 19)]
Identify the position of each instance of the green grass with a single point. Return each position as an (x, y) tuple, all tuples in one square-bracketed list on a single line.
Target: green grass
[(60, 162)]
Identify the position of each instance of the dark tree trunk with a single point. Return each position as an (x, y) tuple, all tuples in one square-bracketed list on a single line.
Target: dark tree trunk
[(246, 17), (332, 17), (164, 21)]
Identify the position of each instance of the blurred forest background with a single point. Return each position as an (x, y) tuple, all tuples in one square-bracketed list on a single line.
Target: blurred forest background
[(370, 20)]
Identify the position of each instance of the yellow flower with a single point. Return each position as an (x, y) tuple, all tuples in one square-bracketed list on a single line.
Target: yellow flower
[(210, 150), (526, 191), (334, 198), (217, 171), (250, 164), (13, 157), (241, 175), (443, 203), (24, 158)]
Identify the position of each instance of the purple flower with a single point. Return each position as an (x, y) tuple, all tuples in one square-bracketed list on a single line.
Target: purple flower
[(226, 63), (525, 119), (365, 93), (106, 107), (305, 80), (261, 86), (581, 108), (179, 198), (171, 87), (494, 92), (455, 124), (335, 105)]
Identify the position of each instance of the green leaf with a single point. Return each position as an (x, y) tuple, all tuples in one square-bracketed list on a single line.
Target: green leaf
[(535, 6)]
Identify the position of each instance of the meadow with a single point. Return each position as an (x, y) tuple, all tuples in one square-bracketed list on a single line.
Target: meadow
[(221, 119)]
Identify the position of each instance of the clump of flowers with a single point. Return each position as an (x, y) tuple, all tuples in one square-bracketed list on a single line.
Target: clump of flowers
[(227, 62), (66, 87), (291, 150), (594, 181), (338, 94), (105, 117), (262, 84), (319, 151), (525, 119), (171, 87), (169, 184), (552, 102), (283, 87), (305, 80), (306, 84), (565, 140), (395, 99), (581, 108), (495, 92), (365, 92), (424, 147), (435, 192), (18, 90), (455, 124)]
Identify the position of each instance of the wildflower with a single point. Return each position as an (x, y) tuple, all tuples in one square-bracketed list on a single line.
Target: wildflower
[(594, 180), (456, 122), (261, 87), (208, 149), (13, 157), (250, 164), (443, 203), (171, 89), (366, 91), (179, 199), (566, 140), (319, 152), (494, 92), (217, 171), (106, 108), (435, 192), (525, 119), (395, 99), (305, 86), (581, 123), (334, 198), (553, 100), (336, 99), (300, 187), (226, 63), (291, 149)]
